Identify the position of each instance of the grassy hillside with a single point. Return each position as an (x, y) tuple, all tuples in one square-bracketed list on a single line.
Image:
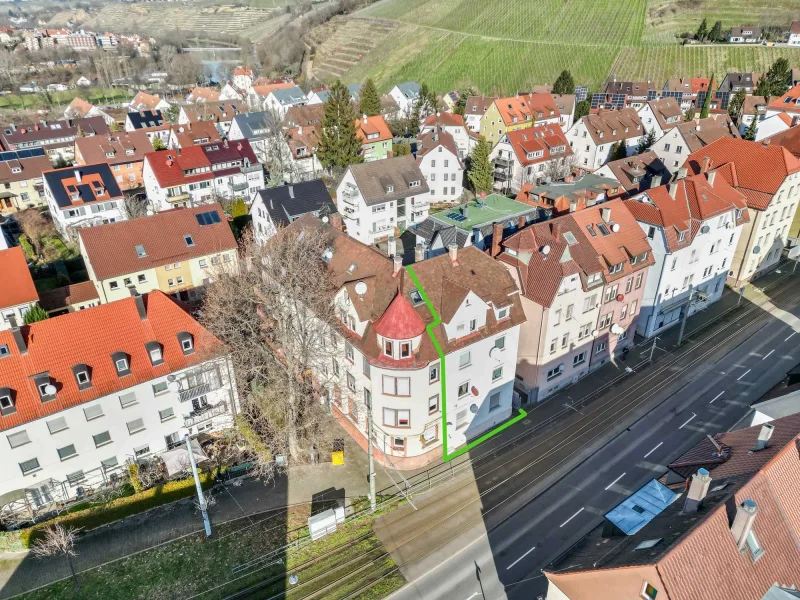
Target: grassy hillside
[(511, 45)]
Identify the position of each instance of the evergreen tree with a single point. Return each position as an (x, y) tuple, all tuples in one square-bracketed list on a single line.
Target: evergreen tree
[(646, 141), (339, 146), (481, 173), (689, 116), (582, 109), (735, 105), (36, 313), (619, 151), (463, 96), (750, 134), (426, 105), (702, 31), (370, 102), (158, 144), (565, 84), (707, 102), (774, 82), (400, 148), (715, 35)]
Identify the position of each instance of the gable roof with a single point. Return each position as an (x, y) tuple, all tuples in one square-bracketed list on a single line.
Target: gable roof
[(527, 108), (17, 285), (218, 111), (144, 101), (667, 112), (78, 108), (789, 139), (48, 130), (528, 143), (69, 294), (306, 115), (760, 168), (432, 139), (30, 168), (607, 126), (265, 89), (124, 147), (444, 120), (700, 133), (636, 172), (146, 118), (192, 134), (288, 96), (97, 184), (253, 125), (693, 200), (372, 126), (203, 94), (193, 163), (90, 337), (285, 203), (477, 105), (112, 248), (385, 180), (409, 89), (788, 102)]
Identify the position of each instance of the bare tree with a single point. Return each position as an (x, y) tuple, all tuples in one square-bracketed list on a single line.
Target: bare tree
[(59, 541), (11, 68), (134, 207), (36, 227), (556, 170), (276, 317)]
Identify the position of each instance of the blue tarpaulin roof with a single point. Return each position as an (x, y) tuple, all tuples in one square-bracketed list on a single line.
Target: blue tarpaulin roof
[(641, 507)]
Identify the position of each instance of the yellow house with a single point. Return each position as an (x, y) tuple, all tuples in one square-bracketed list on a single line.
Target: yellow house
[(21, 184), (517, 112), (177, 252)]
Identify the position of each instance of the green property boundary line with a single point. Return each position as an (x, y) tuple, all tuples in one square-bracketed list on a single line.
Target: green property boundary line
[(443, 376)]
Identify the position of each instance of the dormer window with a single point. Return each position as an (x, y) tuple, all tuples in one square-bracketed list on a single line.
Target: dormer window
[(121, 363), (4, 350), (616, 268), (47, 390), (110, 154), (82, 376), (129, 151), (155, 353), (412, 184), (186, 341), (502, 314), (681, 236), (389, 188), (16, 169), (7, 405)]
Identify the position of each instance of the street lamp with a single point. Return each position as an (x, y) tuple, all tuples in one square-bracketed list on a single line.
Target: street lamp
[(201, 498)]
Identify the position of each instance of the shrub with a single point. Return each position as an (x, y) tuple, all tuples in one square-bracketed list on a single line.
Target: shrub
[(27, 248), (133, 473)]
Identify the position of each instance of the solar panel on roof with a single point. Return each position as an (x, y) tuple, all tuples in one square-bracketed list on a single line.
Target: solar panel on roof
[(208, 218), (581, 93), (456, 217), (20, 154), (672, 94), (652, 94)]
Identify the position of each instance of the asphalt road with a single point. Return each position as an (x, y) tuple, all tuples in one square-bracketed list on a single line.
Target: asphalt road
[(708, 391)]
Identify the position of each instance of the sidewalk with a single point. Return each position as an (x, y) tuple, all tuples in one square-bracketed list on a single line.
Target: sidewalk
[(19, 573)]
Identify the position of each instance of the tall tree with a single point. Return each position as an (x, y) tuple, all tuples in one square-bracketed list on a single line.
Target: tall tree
[(646, 141), (36, 313), (750, 134), (565, 84), (426, 105), (619, 150), (775, 82), (339, 146), (707, 102), (689, 115), (702, 31), (481, 173), (715, 35), (735, 105), (582, 109), (463, 96), (369, 102)]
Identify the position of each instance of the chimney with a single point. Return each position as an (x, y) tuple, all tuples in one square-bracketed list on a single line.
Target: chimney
[(392, 243), (681, 173), (139, 304), (711, 175), (336, 221), (763, 436), (291, 192), (78, 175), (655, 181), (765, 143), (300, 130), (398, 264), (452, 248), (497, 238), (706, 164), (465, 211), (606, 214), (419, 253), (364, 118), (673, 188), (225, 143), (476, 236), (522, 220), (743, 522), (18, 338), (697, 490), (555, 227)]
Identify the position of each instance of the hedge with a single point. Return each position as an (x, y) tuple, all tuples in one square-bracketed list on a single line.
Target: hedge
[(91, 518)]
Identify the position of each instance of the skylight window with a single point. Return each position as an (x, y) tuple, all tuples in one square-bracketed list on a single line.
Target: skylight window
[(140, 251), (568, 235), (189, 241), (416, 297), (647, 544)]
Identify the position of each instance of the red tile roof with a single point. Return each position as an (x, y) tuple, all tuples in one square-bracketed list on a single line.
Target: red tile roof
[(144, 101), (111, 248), (95, 149), (760, 168), (400, 321), (788, 102), (444, 119), (194, 134), (169, 166), (789, 139), (695, 200), (367, 126), (527, 108), (90, 337), (68, 295), (433, 138), (17, 287), (538, 139)]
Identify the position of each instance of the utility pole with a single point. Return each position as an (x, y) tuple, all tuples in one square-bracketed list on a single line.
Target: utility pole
[(685, 315), (741, 293), (201, 498), (372, 500), (653, 348)]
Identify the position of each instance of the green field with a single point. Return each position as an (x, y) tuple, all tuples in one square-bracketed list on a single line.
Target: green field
[(510, 46), (93, 95)]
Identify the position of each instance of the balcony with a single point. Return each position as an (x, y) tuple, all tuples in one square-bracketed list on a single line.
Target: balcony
[(239, 187), (205, 413), (501, 176), (380, 228), (503, 162)]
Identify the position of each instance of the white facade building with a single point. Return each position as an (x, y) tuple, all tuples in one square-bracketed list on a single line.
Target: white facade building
[(437, 157), (593, 136), (693, 245), (679, 142), (376, 197), (405, 95), (118, 386), (18, 293)]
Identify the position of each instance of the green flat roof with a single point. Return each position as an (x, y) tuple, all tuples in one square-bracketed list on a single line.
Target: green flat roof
[(492, 208)]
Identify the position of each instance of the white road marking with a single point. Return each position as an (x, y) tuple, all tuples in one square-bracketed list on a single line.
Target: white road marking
[(767, 356), (521, 557), (615, 481), (715, 397), (743, 374), (788, 338), (473, 595), (688, 421), (653, 450), (572, 517)]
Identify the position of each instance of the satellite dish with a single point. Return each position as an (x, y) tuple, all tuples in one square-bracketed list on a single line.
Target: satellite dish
[(473, 408), (705, 229), (174, 386), (325, 219), (620, 297), (615, 227), (616, 329), (50, 389), (594, 333), (545, 250), (757, 250), (361, 288)]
